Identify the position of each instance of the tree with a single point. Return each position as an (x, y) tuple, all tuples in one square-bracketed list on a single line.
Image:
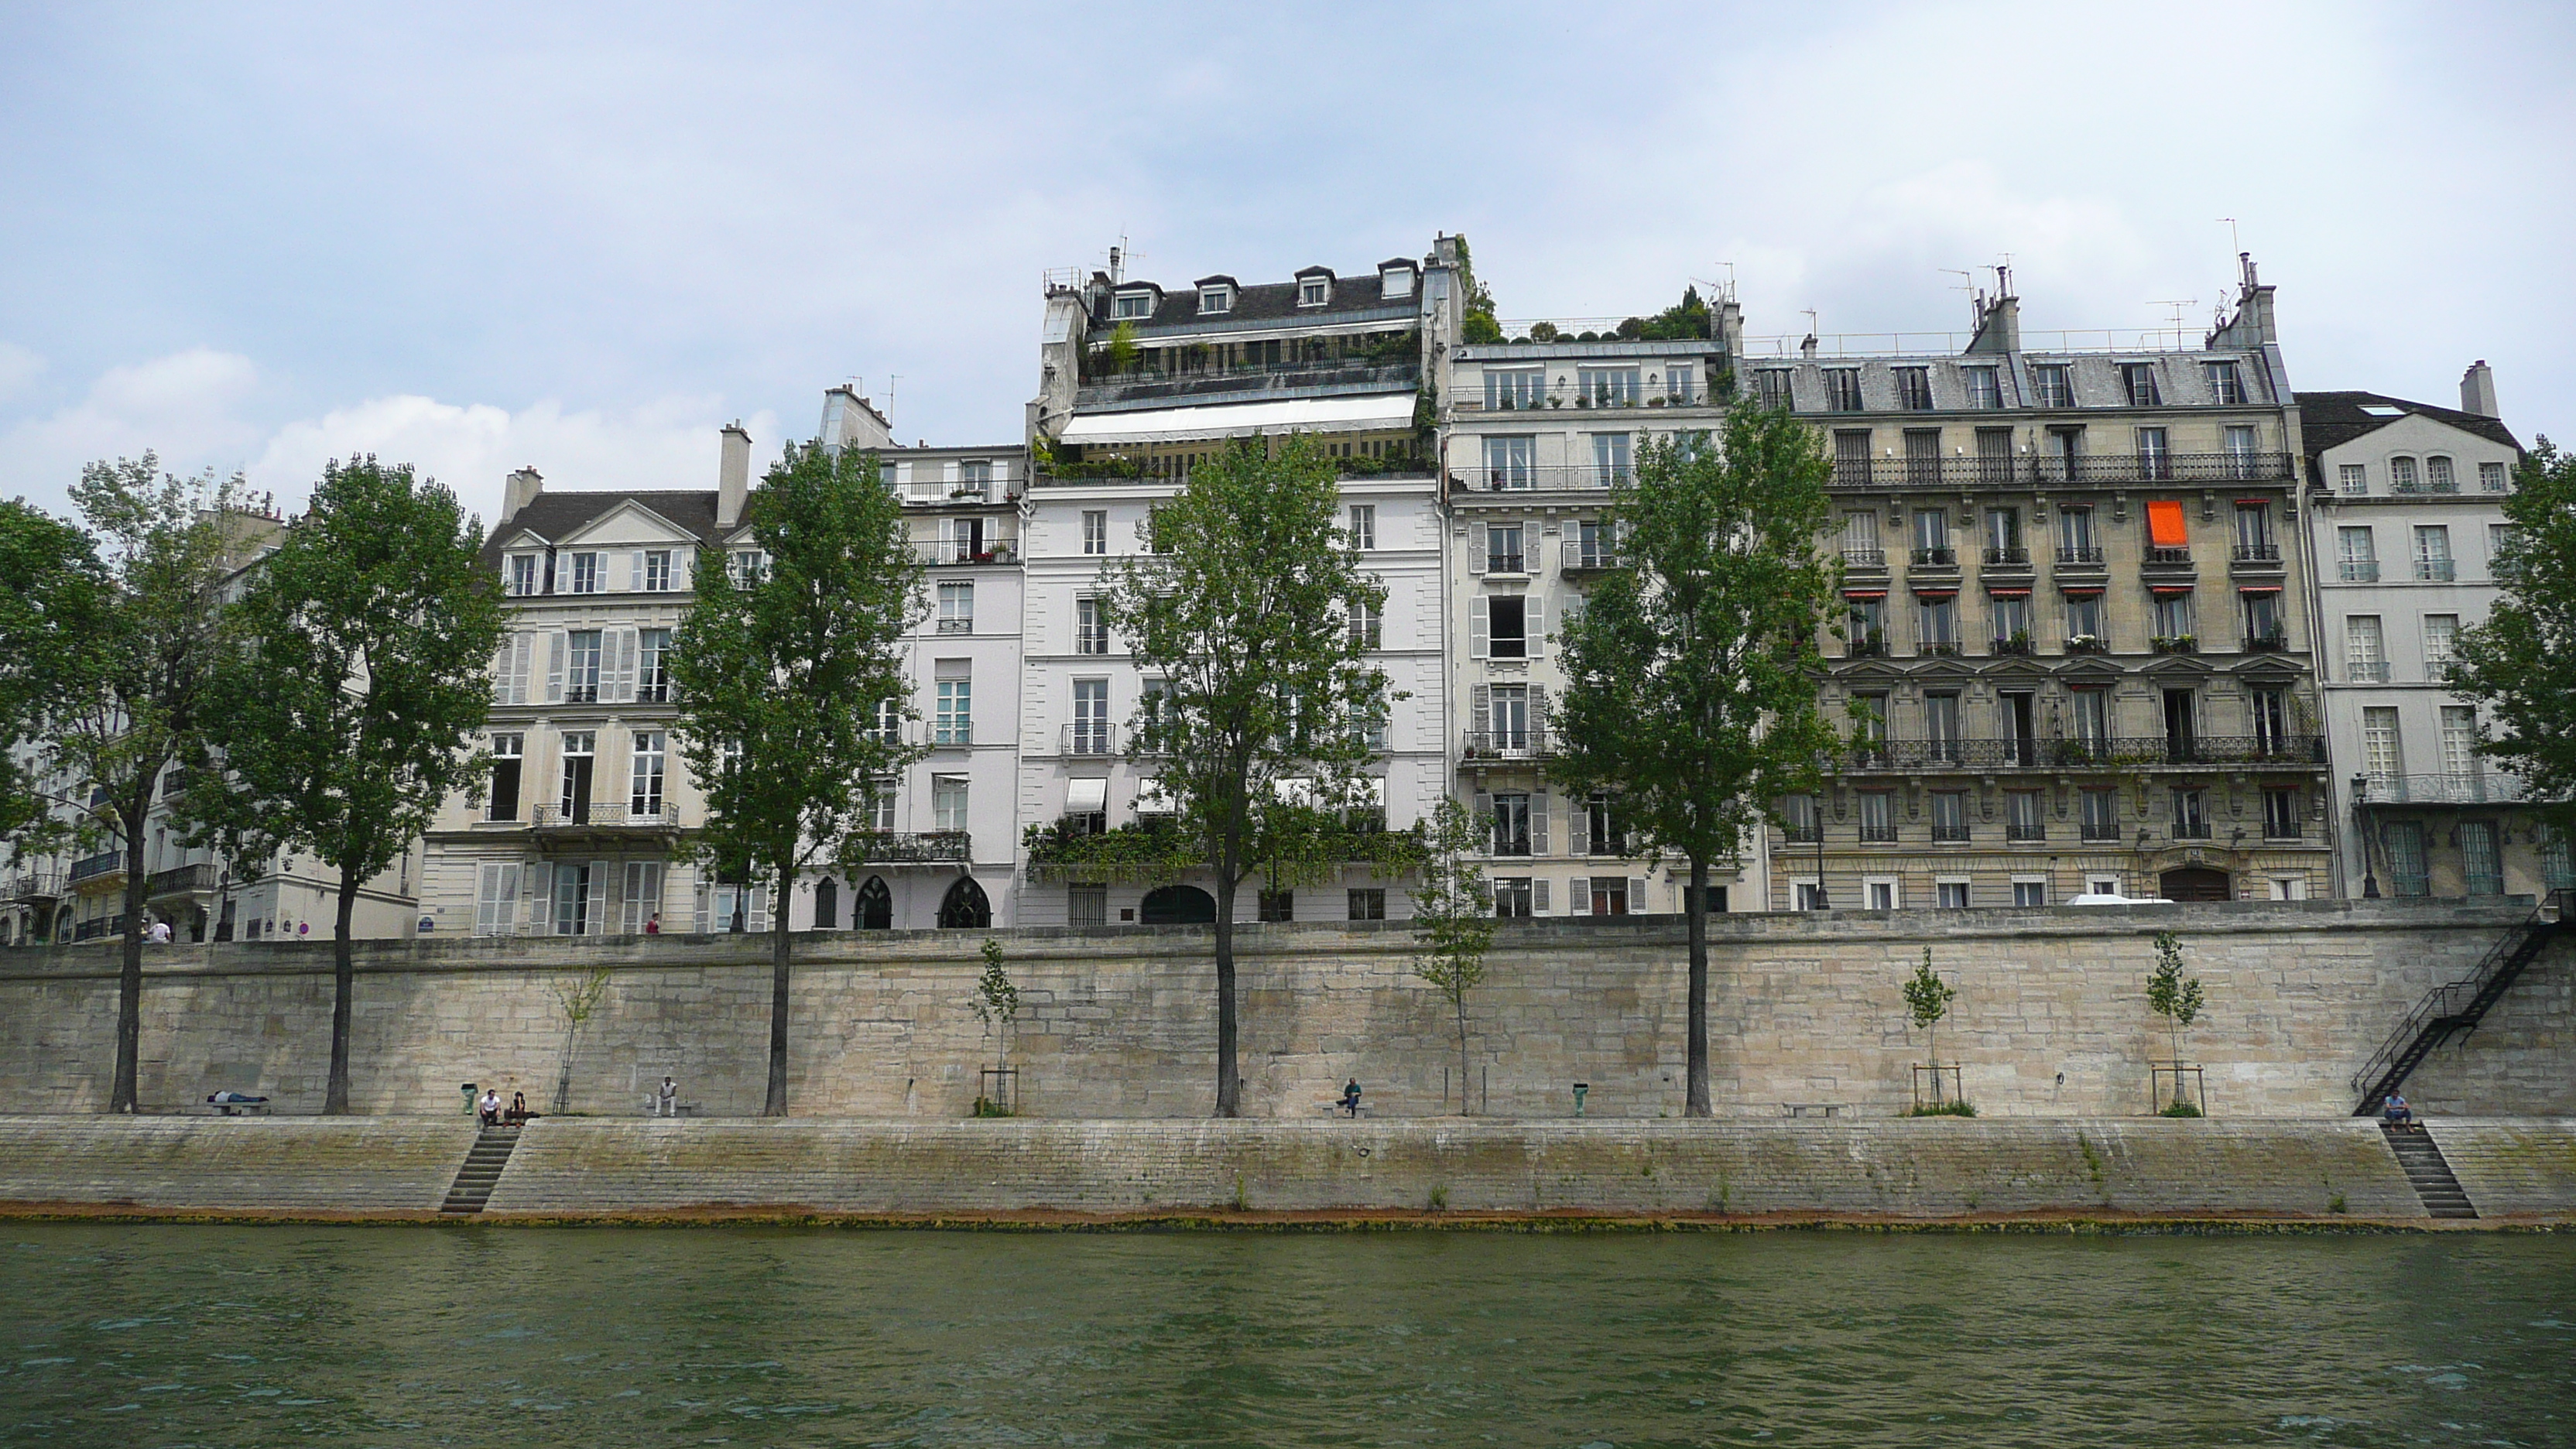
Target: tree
[(1258, 734), (1453, 918), (781, 675), (354, 680), (2521, 663), (130, 703), (1692, 675), (577, 996), (51, 587), (997, 1005), (1927, 1000), (2174, 997)]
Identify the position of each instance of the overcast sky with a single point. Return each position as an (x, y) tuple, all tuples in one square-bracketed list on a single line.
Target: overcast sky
[(256, 238)]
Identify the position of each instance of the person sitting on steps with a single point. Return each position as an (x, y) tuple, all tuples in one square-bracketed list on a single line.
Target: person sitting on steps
[(2396, 1113), (490, 1106), (1351, 1097)]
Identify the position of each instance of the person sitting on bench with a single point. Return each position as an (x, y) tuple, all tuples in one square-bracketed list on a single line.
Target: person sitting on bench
[(1351, 1097), (2396, 1113)]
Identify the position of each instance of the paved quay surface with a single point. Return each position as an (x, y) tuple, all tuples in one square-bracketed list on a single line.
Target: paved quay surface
[(2517, 1171)]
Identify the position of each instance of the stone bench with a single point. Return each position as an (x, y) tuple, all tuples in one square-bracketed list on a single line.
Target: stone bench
[(1821, 1109), (1334, 1109), (653, 1108), (236, 1109)]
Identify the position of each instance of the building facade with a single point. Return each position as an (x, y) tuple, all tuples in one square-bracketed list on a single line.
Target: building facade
[(2404, 528), (2071, 655)]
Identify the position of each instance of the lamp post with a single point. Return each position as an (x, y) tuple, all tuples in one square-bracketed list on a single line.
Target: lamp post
[(2361, 833)]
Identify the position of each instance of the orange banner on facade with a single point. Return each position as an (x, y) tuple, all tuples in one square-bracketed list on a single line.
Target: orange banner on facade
[(2164, 524)]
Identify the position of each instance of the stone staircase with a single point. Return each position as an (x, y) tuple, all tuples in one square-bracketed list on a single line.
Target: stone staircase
[(481, 1172), (2431, 1175)]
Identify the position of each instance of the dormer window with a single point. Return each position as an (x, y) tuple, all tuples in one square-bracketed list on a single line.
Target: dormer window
[(1314, 291), (1132, 306), (1215, 300), (520, 578), (1395, 282)]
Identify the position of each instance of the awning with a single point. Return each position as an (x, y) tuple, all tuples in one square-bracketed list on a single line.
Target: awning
[(1150, 799), (1936, 595), (2089, 591), (2258, 588), (2008, 593), (2253, 502), (1374, 413), (1864, 593), (1084, 797), (1293, 790), (2164, 524), (2168, 590), (1372, 791)]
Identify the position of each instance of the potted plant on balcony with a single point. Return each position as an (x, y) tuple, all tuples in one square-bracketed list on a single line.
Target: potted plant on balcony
[(2086, 644), (2176, 644)]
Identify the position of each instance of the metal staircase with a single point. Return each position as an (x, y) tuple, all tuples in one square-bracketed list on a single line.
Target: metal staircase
[(2460, 1005)]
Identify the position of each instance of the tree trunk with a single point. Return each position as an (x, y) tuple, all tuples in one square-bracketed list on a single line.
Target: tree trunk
[(344, 987), (122, 1096), (776, 1105), (1461, 1001), (1229, 1093), (1696, 1104)]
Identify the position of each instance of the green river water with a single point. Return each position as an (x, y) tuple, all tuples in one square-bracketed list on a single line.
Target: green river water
[(147, 1336)]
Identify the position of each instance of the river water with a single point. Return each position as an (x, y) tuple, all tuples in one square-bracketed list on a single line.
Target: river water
[(146, 1336)]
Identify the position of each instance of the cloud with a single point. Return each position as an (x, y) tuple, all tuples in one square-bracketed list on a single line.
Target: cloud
[(185, 406), (18, 367)]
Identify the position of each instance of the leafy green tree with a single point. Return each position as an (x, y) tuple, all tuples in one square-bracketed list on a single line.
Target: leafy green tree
[(1477, 322), (51, 587), (2521, 663), (1692, 675), (780, 679), (1259, 732), (353, 681), (131, 705), (1453, 918), (2173, 996), (1927, 1000), (997, 1005)]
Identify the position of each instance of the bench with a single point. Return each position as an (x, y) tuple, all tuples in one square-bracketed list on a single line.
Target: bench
[(653, 1108), (237, 1109), (1334, 1109), (1821, 1109)]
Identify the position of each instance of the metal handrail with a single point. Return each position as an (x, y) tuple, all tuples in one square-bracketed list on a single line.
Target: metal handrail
[(2043, 471), (2124, 751), (1088, 737), (2446, 1007), (1528, 744), (603, 813), (889, 847)]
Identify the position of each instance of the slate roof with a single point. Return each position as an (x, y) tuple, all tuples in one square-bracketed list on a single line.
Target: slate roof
[(551, 516), (2332, 419), (1259, 301)]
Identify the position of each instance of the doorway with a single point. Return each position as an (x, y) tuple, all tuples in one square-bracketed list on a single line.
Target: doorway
[(965, 906), (2195, 883), (875, 910), (1178, 905)]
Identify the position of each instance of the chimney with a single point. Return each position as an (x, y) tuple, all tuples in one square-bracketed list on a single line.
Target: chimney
[(2477, 390), (524, 486), (1998, 327), (733, 479), (851, 421)]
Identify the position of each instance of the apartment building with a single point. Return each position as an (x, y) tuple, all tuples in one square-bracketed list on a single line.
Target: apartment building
[(2405, 522), (1138, 384), (2072, 640), (1538, 429)]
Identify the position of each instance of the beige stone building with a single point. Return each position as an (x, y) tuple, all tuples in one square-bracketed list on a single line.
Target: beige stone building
[(2072, 641)]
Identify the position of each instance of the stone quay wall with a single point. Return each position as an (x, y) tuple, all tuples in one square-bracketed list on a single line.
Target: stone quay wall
[(2050, 1021)]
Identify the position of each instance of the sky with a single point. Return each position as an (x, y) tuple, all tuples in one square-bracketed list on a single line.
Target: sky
[(582, 238)]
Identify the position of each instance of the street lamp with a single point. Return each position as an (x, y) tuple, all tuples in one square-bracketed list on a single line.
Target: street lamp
[(2361, 832)]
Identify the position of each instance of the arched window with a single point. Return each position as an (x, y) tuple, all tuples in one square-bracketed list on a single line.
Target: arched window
[(1178, 905), (827, 905), (875, 910), (964, 907)]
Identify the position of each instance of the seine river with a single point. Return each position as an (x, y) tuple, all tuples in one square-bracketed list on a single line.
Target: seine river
[(140, 1337)]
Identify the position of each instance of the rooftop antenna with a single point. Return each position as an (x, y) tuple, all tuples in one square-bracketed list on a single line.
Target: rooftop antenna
[(1968, 284), (2235, 243), (891, 379), (2177, 304)]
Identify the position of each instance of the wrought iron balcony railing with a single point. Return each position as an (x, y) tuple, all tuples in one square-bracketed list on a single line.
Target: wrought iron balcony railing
[(1089, 737), (1528, 744), (1936, 557), (2080, 557), (179, 880), (604, 814), (2257, 554), (91, 867), (1580, 555), (2122, 752), (2470, 787), (2045, 472), (2014, 557), (930, 847), (2359, 571)]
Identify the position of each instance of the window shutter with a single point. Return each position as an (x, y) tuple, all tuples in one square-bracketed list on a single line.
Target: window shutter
[(1578, 897), (635, 572), (1538, 895), (1578, 828), (1636, 896), (523, 649), (684, 568), (757, 917), (1475, 548), (596, 920), (1538, 708), (1480, 711), (1481, 805), (487, 900), (1534, 623), (948, 472), (555, 668), (1479, 625), (705, 902), (627, 647), (501, 674), (1538, 822)]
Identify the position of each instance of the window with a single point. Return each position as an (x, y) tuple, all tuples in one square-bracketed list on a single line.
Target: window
[(1932, 537), (1608, 386), (1507, 623), (1512, 824), (1860, 538), (1090, 633), (2499, 542), (1503, 549), (1132, 305), (2382, 753), (954, 724), (1596, 542), (747, 567), (1799, 820), (1090, 733), (1952, 894), (1512, 897), (2173, 616), (1314, 291), (2077, 543), (496, 899), (1516, 387), (2433, 552), (2401, 476), (1095, 530), (2155, 458), (2024, 817), (644, 787), (2226, 384), (2441, 645), (1851, 457), (2242, 461), (2357, 554), (2138, 380), (1610, 459), (2190, 814), (2054, 383), (1811, 896), (1869, 718), (2029, 891), (1368, 625), (2403, 840), (1777, 386), (2084, 618), (1368, 903), (1609, 896), (1923, 457), (2012, 622), (1279, 905), (1507, 463), (1867, 633), (1604, 833), (2460, 743), (2092, 705), (1364, 526), (1936, 622), (2438, 477), (1882, 893), (2003, 536), (2102, 885), (520, 577), (1914, 389), (1949, 815), (2352, 479), (504, 801), (881, 802), (2254, 532), (2365, 654), (1507, 709), (2101, 814), (573, 799), (2262, 608), (581, 666), (2271, 710), (2280, 814), (1984, 388), (1842, 389), (956, 608), (589, 572), (948, 802), (1214, 300), (889, 724), (657, 571), (1681, 383), (2491, 477), (1877, 816), (1086, 905)]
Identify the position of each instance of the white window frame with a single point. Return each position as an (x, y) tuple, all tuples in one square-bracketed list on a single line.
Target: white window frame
[(589, 572), (1314, 291), (2019, 882), (1215, 301), (1943, 884), (1364, 526), (1095, 531), (1893, 885), (1131, 306), (520, 576), (2352, 479)]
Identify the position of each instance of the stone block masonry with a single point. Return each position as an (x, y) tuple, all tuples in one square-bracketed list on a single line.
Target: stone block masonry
[(2051, 1018), (312, 1167)]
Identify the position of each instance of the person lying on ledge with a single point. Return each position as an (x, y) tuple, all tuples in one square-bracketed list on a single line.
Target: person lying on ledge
[(2396, 1113), (234, 1099)]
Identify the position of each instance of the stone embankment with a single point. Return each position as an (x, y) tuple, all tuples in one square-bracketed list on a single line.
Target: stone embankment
[(1460, 1170)]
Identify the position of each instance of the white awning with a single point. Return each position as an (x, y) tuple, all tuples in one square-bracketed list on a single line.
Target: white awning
[(1294, 789), (1374, 413), (1372, 791), (1084, 797), (1150, 799)]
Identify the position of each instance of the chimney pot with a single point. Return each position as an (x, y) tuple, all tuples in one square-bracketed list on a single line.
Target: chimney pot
[(520, 491)]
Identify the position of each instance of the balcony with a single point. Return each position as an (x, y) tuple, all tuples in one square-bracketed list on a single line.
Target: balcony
[(1935, 557), (2256, 558), (1530, 744), (2016, 644), (1949, 834), (2473, 787), (1867, 646), (2087, 644), (1581, 557), (2080, 557), (2034, 472), (94, 870), (889, 847), (1214, 385), (1088, 737), (2433, 571), (968, 551), (1865, 560), (957, 624), (2007, 559), (2191, 830), (1541, 477), (2359, 571), (2270, 641), (2175, 643), (2168, 560), (602, 821), (32, 885), (2366, 671), (2035, 753), (181, 880)]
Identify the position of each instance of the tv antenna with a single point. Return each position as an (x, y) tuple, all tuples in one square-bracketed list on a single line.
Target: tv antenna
[(1967, 284), (891, 379), (2234, 242), (2177, 304), (1119, 256)]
